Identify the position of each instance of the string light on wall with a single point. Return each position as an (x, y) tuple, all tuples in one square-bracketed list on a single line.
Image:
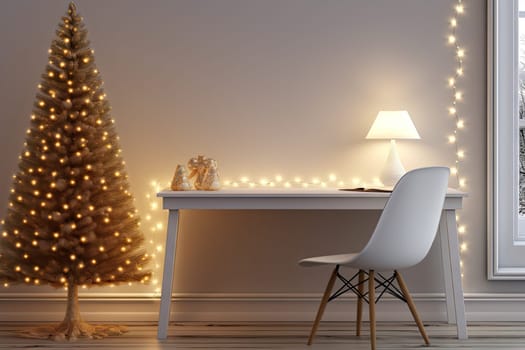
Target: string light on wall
[(155, 217), (278, 181), (155, 231), (453, 109)]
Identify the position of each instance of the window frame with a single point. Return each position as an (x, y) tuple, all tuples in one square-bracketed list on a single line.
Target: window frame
[(502, 141)]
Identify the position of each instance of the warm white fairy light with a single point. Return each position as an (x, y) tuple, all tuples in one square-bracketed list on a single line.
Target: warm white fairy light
[(459, 125), (155, 217)]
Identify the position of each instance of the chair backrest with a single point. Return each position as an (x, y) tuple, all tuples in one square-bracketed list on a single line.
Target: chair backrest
[(408, 224)]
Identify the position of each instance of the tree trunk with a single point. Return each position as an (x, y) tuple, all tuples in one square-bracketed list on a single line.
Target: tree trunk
[(72, 327), (72, 310)]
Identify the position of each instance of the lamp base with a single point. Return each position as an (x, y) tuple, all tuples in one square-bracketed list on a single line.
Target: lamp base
[(393, 168)]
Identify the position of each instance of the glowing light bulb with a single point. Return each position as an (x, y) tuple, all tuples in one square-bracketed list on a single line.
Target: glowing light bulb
[(451, 39), (453, 22)]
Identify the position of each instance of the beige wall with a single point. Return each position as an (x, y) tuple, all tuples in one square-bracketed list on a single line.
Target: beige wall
[(267, 87)]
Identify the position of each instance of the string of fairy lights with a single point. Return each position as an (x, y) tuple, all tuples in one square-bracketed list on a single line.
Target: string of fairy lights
[(156, 223), (155, 218), (457, 97)]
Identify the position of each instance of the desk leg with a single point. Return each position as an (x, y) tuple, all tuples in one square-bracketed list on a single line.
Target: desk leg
[(452, 272), (167, 277)]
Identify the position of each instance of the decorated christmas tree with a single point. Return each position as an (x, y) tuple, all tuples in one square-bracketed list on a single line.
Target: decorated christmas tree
[(71, 220)]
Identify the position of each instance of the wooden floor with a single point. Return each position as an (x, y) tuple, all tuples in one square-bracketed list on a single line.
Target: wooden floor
[(331, 336)]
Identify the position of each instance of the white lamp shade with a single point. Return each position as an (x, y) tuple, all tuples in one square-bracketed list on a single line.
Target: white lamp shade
[(393, 125)]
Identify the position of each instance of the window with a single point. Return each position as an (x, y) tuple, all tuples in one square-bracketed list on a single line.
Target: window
[(519, 237), (506, 139)]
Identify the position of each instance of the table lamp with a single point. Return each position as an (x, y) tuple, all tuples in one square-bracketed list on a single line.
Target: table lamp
[(392, 125)]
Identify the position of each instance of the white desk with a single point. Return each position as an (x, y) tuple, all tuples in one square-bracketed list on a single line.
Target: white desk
[(313, 199)]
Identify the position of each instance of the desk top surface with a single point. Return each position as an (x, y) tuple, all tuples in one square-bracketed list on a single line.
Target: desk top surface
[(285, 193)]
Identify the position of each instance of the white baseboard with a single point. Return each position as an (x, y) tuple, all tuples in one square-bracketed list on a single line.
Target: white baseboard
[(240, 307)]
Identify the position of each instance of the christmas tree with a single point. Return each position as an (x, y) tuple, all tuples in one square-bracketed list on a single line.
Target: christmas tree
[(71, 221)]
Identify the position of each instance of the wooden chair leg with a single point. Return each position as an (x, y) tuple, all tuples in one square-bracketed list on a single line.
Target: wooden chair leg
[(322, 306), (372, 308), (412, 306), (360, 288)]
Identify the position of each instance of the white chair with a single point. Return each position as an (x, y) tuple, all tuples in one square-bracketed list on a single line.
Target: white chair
[(402, 238)]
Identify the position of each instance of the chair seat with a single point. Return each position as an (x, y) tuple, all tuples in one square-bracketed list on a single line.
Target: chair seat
[(337, 259)]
